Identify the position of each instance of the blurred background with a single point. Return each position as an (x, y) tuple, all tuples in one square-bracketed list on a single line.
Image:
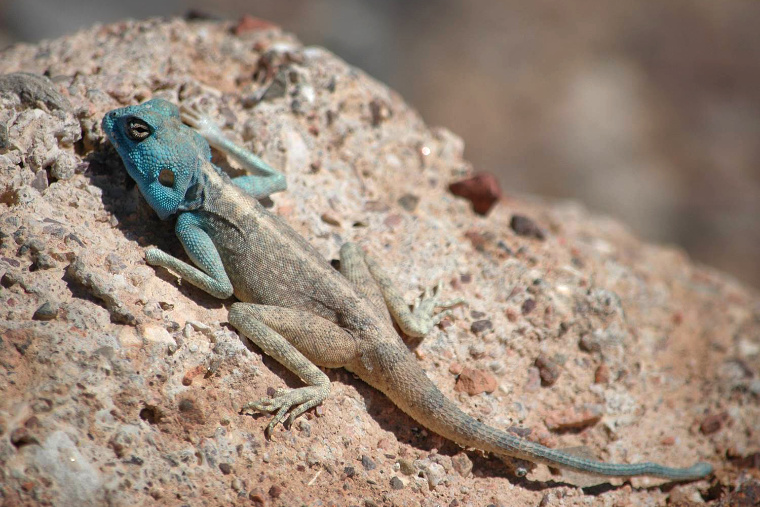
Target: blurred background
[(648, 111)]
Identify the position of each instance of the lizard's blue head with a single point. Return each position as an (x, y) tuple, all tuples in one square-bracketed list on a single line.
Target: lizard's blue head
[(161, 154)]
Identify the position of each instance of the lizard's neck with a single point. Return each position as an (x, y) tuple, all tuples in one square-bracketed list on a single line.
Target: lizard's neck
[(206, 182)]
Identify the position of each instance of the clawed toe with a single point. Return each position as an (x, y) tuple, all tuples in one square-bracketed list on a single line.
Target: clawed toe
[(425, 305), (198, 120), (295, 401)]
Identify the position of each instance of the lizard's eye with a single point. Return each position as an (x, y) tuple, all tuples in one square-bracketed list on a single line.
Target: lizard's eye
[(137, 130), (166, 178)]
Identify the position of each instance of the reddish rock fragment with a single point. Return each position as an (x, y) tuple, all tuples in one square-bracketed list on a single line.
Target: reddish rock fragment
[(482, 190), (573, 419), (250, 23), (713, 423), (602, 374), (474, 382)]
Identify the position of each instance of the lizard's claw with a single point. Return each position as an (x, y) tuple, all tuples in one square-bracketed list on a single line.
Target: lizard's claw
[(424, 307), (192, 116), (295, 401)]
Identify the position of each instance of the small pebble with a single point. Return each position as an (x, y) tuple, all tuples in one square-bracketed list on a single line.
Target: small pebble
[(462, 464), (257, 498), (528, 306), (524, 226), (713, 423), (406, 466), (409, 202), (367, 463), (473, 382), (589, 343), (396, 483), (602, 374), (548, 370), (481, 326), (330, 219), (482, 190), (573, 418), (48, 311)]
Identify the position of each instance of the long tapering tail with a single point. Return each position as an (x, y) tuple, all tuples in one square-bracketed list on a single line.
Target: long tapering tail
[(411, 390)]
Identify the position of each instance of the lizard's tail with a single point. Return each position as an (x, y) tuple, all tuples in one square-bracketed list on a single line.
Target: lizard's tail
[(413, 392)]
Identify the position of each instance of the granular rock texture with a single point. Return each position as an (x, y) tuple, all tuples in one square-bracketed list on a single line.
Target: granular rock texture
[(121, 386)]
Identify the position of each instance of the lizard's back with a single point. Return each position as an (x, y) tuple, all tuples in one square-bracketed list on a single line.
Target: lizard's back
[(269, 263)]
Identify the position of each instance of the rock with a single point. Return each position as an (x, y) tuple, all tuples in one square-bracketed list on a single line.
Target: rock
[(528, 306), (330, 219), (482, 190), (249, 23), (409, 202), (47, 311), (574, 418), (548, 370), (367, 463), (525, 226), (406, 466), (455, 368), (275, 491), (472, 382), (462, 464), (602, 374), (481, 326), (433, 472), (713, 423)]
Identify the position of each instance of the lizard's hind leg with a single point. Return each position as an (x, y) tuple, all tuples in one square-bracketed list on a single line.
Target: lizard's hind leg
[(416, 322), (299, 341), (354, 267)]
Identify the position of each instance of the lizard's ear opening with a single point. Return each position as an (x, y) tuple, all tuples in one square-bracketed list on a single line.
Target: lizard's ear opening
[(166, 178), (137, 130)]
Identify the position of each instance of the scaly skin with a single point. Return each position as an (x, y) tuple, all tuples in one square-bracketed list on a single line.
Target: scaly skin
[(294, 305)]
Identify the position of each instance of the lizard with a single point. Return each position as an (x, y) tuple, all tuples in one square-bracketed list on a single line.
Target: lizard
[(292, 303)]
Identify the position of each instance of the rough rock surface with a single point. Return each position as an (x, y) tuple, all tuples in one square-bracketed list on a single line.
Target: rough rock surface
[(120, 385)]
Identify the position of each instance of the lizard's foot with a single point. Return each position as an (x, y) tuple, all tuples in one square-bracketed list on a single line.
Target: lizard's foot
[(205, 126), (423, 308), (295, 401)]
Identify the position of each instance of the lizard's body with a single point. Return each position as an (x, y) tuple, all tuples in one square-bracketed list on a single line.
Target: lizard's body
[(294, 305)]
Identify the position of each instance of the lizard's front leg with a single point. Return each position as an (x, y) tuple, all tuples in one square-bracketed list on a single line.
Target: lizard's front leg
[(362, 269), (211, 277), (299, 341), (264, 181)]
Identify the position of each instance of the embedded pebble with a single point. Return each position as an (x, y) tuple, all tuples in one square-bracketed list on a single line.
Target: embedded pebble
[(473, 382), (548, 370)]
